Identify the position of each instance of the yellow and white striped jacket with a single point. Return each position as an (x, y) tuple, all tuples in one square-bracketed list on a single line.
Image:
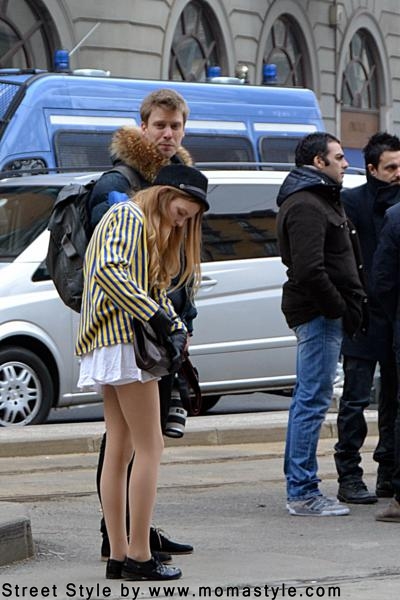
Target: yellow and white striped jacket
[(116, 281)]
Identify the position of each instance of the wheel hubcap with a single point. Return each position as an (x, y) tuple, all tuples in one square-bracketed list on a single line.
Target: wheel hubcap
[(20, 394)]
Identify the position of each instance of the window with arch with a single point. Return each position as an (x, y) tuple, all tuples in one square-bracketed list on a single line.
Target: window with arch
[(360, 96), (283, 48), (197, 43), (26, 35), (360, 88)]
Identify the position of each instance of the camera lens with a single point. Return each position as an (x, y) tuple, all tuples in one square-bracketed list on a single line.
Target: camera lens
[(176, 421)]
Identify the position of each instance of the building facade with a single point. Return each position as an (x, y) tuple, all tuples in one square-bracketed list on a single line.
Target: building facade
[(347, 51)]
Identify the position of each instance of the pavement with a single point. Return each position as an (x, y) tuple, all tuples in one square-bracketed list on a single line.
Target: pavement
[(16, 541), (221, 487)]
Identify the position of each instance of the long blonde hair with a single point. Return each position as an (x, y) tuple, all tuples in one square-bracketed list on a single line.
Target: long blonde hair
[(174, 251)]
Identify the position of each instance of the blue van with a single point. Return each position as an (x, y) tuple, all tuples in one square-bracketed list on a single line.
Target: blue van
[(65, 121)]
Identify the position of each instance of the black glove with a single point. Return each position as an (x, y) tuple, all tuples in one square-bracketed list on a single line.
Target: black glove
[(161, 324), (176, 347)]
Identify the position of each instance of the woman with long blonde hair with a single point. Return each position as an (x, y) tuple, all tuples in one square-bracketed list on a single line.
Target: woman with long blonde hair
[(134, 253)]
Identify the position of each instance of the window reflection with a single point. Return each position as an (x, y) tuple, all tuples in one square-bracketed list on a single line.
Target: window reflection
[(25, 33), (241, 223), (359, 88), (23, 216), (196, 44), (283, 49)]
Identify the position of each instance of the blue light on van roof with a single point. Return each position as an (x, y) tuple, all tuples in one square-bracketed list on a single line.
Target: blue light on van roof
[(61, 60), (214, 76), (270, 74), (213, 71)]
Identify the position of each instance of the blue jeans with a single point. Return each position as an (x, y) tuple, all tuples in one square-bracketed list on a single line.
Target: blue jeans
[(318, 350)]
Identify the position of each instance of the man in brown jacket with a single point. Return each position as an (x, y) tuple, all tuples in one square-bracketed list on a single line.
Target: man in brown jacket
[(323, 296)]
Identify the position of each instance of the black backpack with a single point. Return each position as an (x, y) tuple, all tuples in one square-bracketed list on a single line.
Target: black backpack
[(70, 233)]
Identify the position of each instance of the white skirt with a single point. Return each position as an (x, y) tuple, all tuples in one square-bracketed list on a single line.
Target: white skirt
[(110, 365)]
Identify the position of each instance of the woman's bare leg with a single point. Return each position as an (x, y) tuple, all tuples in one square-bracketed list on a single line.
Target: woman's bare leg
[(139, 404), (118, 453)]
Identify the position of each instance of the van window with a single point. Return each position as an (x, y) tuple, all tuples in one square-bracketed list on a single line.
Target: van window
[(278, 149), (219, 148), (7, 92), (241, 222), (24, 214), (88, 149), (83, 149)]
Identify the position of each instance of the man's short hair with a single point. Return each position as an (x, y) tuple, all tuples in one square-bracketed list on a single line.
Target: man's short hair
[(378, 144), (312, 145), (163, 98)]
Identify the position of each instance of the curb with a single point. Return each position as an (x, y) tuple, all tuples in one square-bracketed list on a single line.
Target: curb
[(82, 438), (16, 541)]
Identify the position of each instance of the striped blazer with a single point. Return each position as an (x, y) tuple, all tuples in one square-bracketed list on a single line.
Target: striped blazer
[(116, 281)]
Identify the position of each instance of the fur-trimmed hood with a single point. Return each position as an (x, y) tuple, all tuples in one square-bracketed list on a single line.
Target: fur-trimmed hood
[(129, 146)]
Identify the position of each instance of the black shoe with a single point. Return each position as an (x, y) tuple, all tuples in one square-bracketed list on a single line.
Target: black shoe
[(114, 568), (384, 488), (355, 492), (163, 557), (152, 569), (160, 541)]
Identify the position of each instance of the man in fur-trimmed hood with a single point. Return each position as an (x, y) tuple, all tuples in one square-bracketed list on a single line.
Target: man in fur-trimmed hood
[(132, 146), (145, 149), (140, 152)]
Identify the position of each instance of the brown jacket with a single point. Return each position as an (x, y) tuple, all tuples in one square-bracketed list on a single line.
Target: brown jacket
[(320, 248)]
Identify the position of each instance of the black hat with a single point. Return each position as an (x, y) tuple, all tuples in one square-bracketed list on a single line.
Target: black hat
[(184, 178)]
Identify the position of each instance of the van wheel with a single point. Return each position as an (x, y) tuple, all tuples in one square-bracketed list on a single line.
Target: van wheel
[(26, 388), (208, 402)]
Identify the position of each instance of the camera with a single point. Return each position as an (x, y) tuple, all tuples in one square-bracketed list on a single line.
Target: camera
[(176, 419)]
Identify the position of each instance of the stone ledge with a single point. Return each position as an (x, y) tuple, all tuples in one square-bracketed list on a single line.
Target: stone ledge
[(16, 541)]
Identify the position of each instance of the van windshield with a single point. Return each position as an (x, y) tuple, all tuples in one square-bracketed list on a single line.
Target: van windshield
[(24, 214)]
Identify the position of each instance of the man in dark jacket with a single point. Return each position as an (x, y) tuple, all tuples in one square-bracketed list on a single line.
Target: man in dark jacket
[(385, 283), (323, 295), (145, 150), (365, 206)]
